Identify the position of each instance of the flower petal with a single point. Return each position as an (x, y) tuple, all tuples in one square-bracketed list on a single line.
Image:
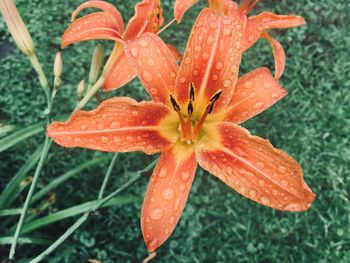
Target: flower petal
[(167, 194), (94, 26), (254, 168), (118, 125), (176, 53), (278, 54), (148, 18), (212, 58), (254, 93), (181, 7), (104, 6), (155, 65), (120, 74), (267, 20)]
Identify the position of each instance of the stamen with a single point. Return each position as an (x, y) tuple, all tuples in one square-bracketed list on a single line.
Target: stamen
[(190, 108), (174, 103), (191, 92), (208, 110), (186, 130)]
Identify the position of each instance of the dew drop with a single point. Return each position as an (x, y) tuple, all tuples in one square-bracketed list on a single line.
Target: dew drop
[(219, 65), (227, 83), (267, 85), (147, 76), (182, 188), (148, 219), (172, 74), (282, 169), (104, 139), (185, 176), (258, 105), (274, 95), (264, 200), (252, 193), (182, 80), (284, 183), (143, 43), (156, 213), (172, 220), (162, 172), (260, 165), (134, 52), (168, 193), (117, 139), (177, 204)]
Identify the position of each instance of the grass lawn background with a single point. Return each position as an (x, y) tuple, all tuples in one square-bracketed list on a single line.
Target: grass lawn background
[(312, 124)]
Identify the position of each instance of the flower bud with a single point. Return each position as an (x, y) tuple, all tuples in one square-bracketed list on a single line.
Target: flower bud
[(57, 70), (81, 88), (96, 63), (58, 65), (17, 27)]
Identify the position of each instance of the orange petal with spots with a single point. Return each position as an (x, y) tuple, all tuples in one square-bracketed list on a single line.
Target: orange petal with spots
[(254, 168), (176, 53), (117, 125), (104, 6), (212, 58), (181, 7), (278, 54), (148, 18), (94, 26), (225, 7), (120, 74), (267, 20), (167, 194), (254, 93), (155, 65)]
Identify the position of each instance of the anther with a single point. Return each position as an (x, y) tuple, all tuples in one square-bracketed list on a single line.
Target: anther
[(216, 96), (174, 103), (191, 92), (190, 108)]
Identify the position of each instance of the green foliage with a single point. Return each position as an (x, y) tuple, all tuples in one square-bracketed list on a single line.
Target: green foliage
[(218, 225)]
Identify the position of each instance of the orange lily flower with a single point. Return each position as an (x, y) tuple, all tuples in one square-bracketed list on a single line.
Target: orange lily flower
[(194, 118), (109, 25), (255, 26)]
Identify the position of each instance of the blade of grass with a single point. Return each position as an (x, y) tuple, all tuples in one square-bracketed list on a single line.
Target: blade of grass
[(66, 176), (24, 240), (19, 136), (73, 211), (43, 155), (6, 129), (85, 216), (16, 185)]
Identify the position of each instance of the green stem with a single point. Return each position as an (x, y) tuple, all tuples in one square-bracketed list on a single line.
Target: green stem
[(44, 152), (90, 94), (108, 174), (85, 216), (42, 78)]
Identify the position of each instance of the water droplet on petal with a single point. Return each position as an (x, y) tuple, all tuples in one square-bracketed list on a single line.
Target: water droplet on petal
[(252, 193), (258, 105), (282, 169), (168, 193), (172, 220), (177, 204), (156, 213), (134, 52), (185, 176), (143, 43), (147, 76), (163, 172), (227, 83)]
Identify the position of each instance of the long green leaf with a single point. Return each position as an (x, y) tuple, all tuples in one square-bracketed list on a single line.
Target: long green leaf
[(61, 179), (4, 129), (75, 210), (24, 240), (16, 185), (19, 136)]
